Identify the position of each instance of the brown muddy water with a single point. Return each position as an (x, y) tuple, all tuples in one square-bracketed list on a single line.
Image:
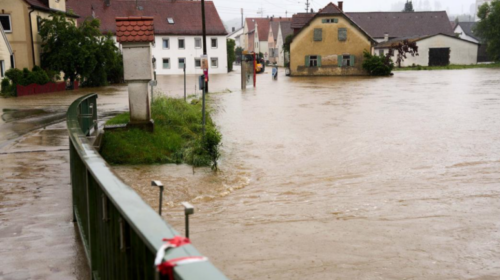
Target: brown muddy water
[(346, 178)]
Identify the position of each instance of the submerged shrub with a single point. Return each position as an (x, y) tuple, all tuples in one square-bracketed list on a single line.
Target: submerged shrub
[(377, 65)]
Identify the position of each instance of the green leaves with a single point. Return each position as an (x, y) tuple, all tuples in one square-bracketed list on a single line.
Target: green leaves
[(376, 65), (80, 52), (231, 56), (488, 28)]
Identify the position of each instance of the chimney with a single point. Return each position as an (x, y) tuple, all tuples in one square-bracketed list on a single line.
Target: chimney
[(233, 29), (341, 5), (107, 2), (386, 37)]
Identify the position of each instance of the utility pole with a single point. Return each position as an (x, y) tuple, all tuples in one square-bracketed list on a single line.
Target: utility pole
[(204, 37), (307, 6), (242, 18), (286, 14)]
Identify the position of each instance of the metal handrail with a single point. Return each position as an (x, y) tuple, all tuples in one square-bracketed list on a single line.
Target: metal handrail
[(91, 176)]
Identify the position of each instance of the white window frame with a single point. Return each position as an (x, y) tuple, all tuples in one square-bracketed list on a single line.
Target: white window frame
[(195, 60), (198, 40), (179, 43), (313, 61), (216, 59), (179, 62), (216, 43), (169, 63), (163, 43), (10, 23), (346, 60)]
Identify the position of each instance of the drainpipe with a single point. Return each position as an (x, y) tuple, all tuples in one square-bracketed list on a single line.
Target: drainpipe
[(32, 40)]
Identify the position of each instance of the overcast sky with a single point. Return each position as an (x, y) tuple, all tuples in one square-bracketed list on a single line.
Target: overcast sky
[(230, 9)]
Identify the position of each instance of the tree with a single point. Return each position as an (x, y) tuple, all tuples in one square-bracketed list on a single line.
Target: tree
[(488, 28), (79, 52), (402, 49), (409, 7), (377, 65), (231, 56)]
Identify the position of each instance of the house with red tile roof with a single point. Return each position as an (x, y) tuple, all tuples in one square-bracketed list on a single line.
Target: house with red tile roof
[(178, 31), (256, 34), (20, 21), (284, 31)]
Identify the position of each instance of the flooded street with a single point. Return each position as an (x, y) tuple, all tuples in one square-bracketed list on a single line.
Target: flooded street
[(346, 178)]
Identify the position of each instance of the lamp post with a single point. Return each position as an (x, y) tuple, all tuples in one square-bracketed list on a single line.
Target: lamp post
[(160, 185), (188, 210)]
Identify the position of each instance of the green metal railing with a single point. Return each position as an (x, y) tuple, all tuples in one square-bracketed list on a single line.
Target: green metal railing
[(120, 232)]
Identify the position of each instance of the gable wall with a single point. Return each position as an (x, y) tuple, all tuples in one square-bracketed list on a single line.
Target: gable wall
[(329, 48)]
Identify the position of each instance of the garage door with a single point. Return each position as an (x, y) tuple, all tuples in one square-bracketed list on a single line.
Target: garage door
[(439, 57)]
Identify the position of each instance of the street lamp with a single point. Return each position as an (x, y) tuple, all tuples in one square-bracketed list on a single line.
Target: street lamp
[(188, 210), (160, 185)]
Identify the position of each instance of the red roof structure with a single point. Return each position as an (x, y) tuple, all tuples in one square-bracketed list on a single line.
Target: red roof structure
[(262, 26), (135, 29), (170, 18)]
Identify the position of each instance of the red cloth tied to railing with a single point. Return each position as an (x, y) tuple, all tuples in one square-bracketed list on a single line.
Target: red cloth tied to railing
[(167, 267)]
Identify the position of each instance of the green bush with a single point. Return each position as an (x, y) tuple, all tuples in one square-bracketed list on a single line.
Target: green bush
[(15, 75), (7, 89), (377, 65)]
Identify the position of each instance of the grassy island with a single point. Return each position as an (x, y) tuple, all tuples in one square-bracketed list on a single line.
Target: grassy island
[(177, 137), (449, 67)]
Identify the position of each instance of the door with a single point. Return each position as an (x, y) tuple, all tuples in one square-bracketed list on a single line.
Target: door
[(439, 57)]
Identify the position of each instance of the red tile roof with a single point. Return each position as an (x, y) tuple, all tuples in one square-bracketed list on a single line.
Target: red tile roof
[(135, 29), (301, 19), (262, 25), (185, 14)]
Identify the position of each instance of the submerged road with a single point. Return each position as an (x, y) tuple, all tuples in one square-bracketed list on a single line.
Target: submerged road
[(346, 178), (38, 239)]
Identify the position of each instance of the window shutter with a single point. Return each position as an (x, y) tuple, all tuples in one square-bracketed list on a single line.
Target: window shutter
[(307, 61), (318, 34), (319, 60), (342, 34), (352, 60), (323, 20), (336, 20), (340, 59)]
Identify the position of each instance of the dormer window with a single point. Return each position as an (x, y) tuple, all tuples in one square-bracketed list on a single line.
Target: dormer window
[(170, 20)]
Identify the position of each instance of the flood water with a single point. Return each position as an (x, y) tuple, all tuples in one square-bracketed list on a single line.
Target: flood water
[(346, 178)]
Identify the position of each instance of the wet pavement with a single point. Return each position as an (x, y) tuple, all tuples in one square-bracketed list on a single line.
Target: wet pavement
[(38, 239), (346, 178)]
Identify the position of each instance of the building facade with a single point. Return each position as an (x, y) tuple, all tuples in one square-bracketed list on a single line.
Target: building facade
[(329, 44), (437, 50), (178, 31), (20, 20), (6, 54)]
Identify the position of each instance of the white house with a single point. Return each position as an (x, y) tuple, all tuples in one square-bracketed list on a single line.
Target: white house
[(436, 50), (236, 35), (177, 28), (284, 31), (6, 54), (465, 31)]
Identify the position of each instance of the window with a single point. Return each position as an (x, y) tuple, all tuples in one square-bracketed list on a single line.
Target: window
[(170, 20), (181, 44), (182, 62), (6, 23), (38, 22), (330, 20), (342, 34), (214, 43), (346, 60), (313, 61), (197, 43), (197, 63), (166, 43), (2, 68), (215, 62), (166, 63), (381, 52), (318, 34)]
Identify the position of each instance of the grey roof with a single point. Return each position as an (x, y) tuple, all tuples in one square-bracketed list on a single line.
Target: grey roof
[(401, 24), (275, 25), (286, 29), (468, 28)]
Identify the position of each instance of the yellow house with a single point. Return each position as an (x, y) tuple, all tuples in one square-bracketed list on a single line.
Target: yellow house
[(20, 20), (328, 43)]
